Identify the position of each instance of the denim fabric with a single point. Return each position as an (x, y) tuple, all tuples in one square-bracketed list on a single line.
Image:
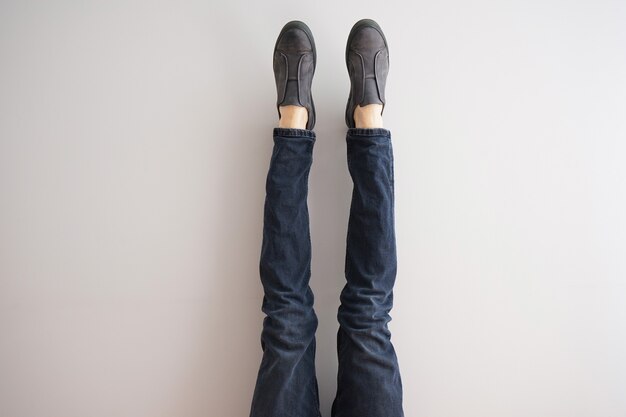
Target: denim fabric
[(368, 380)]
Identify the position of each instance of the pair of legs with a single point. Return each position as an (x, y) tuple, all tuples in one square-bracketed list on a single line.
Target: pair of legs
[(368, 379)]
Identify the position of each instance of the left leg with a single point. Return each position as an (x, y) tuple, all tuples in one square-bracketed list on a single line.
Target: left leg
[(368, 379)]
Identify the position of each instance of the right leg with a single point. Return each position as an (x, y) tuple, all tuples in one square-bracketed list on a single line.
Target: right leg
[(286, 382)]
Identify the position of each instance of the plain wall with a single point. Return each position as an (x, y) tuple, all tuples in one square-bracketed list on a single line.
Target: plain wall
[(135, 138)]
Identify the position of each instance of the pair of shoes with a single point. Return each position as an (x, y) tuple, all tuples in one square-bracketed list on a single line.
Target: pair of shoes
[(367, 60)]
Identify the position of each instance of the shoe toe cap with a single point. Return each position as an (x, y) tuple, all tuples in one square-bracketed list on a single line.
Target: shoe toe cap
[(294, 40), (367, 39)]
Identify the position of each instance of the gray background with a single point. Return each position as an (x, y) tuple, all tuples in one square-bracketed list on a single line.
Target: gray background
[(134, 142)]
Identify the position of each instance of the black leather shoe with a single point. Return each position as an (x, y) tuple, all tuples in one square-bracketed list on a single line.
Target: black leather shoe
[(294, 65), (367, 58)]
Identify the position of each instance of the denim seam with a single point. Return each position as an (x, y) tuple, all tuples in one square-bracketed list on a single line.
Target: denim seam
[(306, 205), (391, 173)]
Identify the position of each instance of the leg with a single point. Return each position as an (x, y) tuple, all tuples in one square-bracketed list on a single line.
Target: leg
[(286, 383), (369, 382)]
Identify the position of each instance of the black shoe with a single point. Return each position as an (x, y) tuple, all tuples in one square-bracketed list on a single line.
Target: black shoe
[(367, 58), (294, 64)]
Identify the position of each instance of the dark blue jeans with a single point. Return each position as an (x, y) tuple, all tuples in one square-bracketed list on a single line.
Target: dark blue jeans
[(368, 380)]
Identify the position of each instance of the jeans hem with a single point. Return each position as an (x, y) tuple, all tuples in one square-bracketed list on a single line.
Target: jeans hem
[(369, 131), (294, 132)]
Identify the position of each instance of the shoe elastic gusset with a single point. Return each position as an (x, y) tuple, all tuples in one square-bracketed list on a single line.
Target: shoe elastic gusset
[(295, 58), (367, 60)]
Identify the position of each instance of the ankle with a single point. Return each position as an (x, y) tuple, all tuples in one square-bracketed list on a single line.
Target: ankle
[(294, 117), (369, 116)]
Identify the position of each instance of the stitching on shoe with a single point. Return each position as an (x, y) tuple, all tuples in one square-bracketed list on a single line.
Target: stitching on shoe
[(377, 77), (363, 80), (284, 88), (298, 78)]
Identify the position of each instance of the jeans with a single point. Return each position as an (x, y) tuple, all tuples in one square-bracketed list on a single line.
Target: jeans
[(368, 379)]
